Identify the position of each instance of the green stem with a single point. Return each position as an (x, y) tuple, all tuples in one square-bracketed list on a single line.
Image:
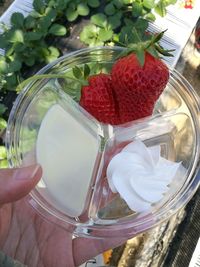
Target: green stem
[(43, 76)]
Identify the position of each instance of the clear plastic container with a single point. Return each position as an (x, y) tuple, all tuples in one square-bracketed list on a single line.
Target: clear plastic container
[(90, 208)]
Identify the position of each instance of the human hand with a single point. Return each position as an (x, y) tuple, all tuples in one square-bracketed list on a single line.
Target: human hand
[(28, 237)]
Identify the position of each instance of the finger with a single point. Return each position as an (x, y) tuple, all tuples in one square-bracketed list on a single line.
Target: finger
[(18, 182), (87, 248)]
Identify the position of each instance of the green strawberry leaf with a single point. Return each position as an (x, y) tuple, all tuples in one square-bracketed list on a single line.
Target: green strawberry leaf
[(4, 164), (53, 54), (115, 20), (149, 4), (94, 3), (14, 65), (110, 9), (3, 124), (16, 36), (71, 14), (140, 53), (170, 2), (77, 72), (30, 22), (99, 20), (141, 25), (57, 29), (157, 37), (118, 4), (3, 154), (163, 51), (90, 35), (3, 108), (150, 17), (86, 71), (136, 9), (105, 35), (29, 61), (83, 9), (11, 81), (3, 65), (17, 19), (32, 36), (39, 6), (160, 9), (152, 50)]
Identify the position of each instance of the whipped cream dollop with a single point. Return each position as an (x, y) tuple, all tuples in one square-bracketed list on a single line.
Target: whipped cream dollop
[(140, 175)]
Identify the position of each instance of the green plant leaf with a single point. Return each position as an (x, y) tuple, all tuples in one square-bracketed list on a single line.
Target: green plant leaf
[(30, 61), (93, 3), (16, 36), (15, 65), (140, 56), (110, 9), (151, 50), (118, 4), (71, 14), (3, 124), (17, 19), (44, 52), (32, 36), (141, 25), (169, 2), (3, 41), (136, 9), (105, 35), (54, 51), (35, 14), (39, 6), (46, 21), (3, 108), (150, 17), (83, 9), (90, 34), (114, 21), (50, 15), (11, 82), (160, 9), (53, 54), (99, 19), (4, 164), (57, 29), (49, 53), (3, 65), (149, 4), (129, 35), (61, 5), (19, 47), (3, 154), (29, 22), (86, 71), (77, 72)]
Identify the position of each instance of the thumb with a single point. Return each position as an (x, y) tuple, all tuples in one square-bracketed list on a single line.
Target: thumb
[(18, 182)]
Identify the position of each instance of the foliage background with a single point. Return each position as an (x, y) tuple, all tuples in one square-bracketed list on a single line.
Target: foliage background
[(33, 41)]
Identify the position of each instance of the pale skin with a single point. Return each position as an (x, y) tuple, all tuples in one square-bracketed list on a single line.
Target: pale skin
[(29, 238)]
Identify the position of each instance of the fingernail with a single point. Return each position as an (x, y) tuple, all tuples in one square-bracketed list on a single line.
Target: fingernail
[(25, 173)]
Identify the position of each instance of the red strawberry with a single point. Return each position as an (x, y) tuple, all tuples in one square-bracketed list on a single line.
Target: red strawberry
[(98, 99), (137, 87)]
